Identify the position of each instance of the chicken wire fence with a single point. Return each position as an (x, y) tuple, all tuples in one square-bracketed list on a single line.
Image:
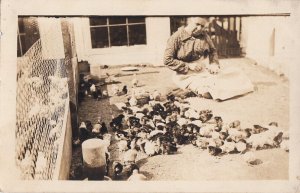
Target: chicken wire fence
[(42, 95)]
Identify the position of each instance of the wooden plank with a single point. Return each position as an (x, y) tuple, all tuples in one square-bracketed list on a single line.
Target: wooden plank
[(234, 23)]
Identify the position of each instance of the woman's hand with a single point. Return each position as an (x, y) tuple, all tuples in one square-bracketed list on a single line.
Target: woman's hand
[(196, 66), (213, 68)]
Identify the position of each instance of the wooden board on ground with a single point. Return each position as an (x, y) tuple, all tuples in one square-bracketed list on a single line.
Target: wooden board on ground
[(129, 68)]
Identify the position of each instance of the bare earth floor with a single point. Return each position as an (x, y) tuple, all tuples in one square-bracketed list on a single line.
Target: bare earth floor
[(269, 102)]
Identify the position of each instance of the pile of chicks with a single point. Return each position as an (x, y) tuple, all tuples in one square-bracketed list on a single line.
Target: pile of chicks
[(162, 126)]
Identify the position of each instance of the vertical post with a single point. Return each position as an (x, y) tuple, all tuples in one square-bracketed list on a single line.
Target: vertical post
[(127, 30), (234, 23), (221, 37), (234, 38), (227, 37), (108, 31), (71, 63)]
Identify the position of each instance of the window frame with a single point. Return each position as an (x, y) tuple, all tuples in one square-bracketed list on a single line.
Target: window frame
[(108, 25)]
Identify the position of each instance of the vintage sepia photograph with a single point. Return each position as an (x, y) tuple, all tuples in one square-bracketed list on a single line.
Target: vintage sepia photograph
[(189, 96)]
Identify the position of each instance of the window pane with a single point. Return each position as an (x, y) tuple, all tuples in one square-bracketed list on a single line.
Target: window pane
[(97, 21), (136, 19), (99, 36), (177, 22), (117, 20), (137, 34), (118, 36)]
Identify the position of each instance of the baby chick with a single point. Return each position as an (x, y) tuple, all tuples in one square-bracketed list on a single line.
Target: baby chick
[(134, 81), (136, 176)]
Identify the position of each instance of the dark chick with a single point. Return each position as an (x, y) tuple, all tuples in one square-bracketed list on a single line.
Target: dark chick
[(189, 94), (273, 124), (205, 115), (103, 128), (124, 89), (98, 93), (278, 139), (171, 97), (89, 125), (117, 169), (145, 111), (258, 129), (84, 132), (127, 110), (193, 139), (133, 167), (235, 124), (168, 147), (163, 114), (214, 150), (134, 121), (151, 114), (128, 170), (116, 123), (223, 135), (171, 107), (81, 96), (194, 128), (219, 123), (121, 134), (158, 108)]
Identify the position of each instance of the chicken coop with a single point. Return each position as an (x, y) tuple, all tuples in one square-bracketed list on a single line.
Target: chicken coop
[(44, 76)]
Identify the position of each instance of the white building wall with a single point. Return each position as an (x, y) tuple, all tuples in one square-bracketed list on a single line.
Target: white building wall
[(157, 33), (81, 38), (265, 39), (268, 40)]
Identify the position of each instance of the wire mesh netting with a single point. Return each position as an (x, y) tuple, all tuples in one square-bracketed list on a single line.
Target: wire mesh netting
[(42, 93)]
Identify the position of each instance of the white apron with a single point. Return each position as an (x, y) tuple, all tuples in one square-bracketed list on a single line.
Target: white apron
[(228, 83)]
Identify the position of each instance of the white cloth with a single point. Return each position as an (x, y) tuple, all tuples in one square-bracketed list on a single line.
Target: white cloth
[(228, 83)]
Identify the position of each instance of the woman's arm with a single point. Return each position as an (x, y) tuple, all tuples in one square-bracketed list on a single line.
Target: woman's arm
[(170, 56)]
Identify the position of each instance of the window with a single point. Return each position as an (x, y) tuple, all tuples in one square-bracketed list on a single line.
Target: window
[(27, 34), (117, 31)]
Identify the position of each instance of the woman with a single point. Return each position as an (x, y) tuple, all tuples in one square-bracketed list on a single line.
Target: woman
[(192, 55)]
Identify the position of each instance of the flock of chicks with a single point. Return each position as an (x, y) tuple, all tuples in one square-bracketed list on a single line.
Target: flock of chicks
[(87, 87), (161, 126)]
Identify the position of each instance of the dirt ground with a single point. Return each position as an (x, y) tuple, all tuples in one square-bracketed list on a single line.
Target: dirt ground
[(269, 102)]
